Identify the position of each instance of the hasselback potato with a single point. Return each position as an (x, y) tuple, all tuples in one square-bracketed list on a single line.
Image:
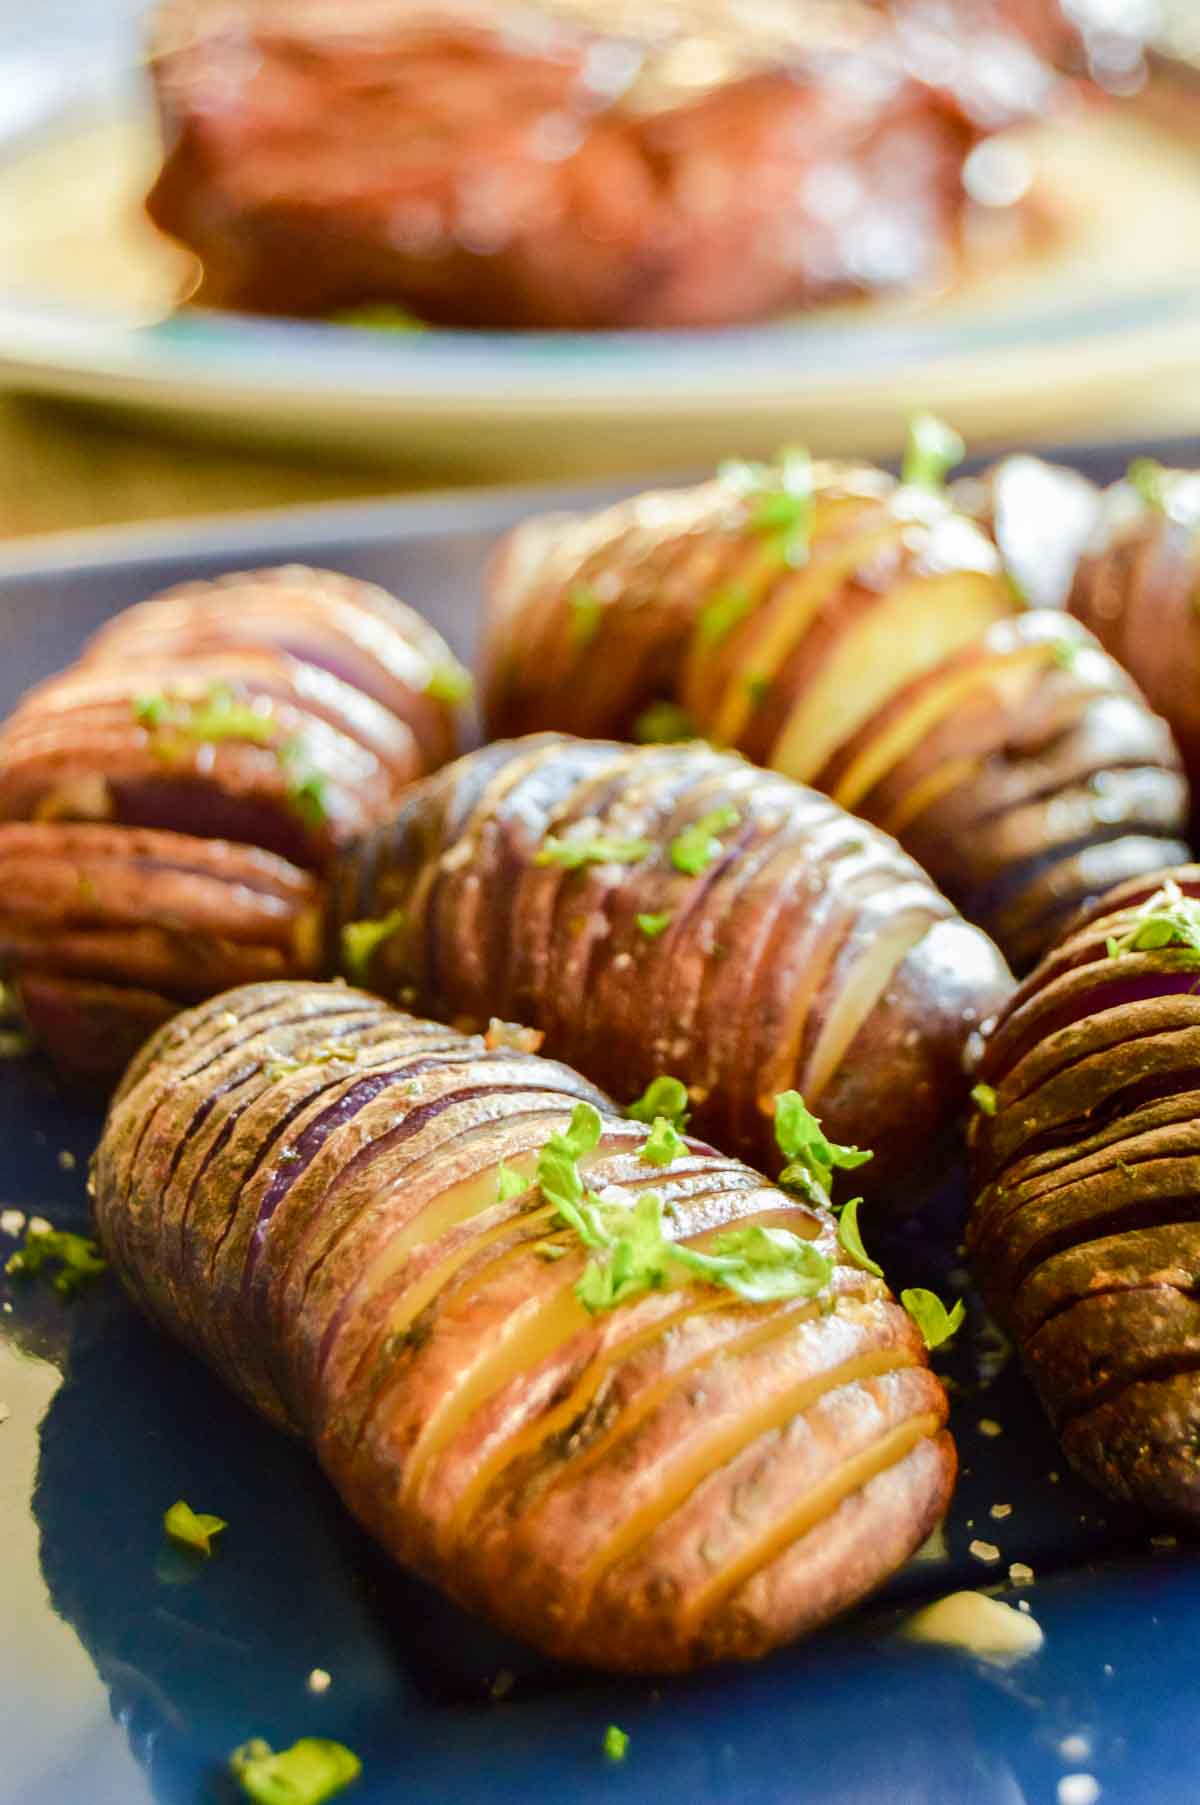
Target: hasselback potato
[(106, 931), (672, 909), (357, 1218), (858, 635), (1086, 1151), (286, 709), (167, 803)]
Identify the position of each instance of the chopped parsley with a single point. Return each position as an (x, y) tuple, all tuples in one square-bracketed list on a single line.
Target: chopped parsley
[(1145, 477), (596, 850), (984, 1098), (77, 1259), (758, 687), (194, 1529), (664, 1144), (1066, 652), (378, 316), (1169, 918), (781, 499), (719, 616), (587, 611), (851, 1238), (311, 1771), (449, 683), (218, 715), (936, 1323), (306, 786), (509, 1183), (663, 1096), (654, 925), (663, 723), (616, 1741), (694, 850), (362, 939), (812, 1158), (932, 451)]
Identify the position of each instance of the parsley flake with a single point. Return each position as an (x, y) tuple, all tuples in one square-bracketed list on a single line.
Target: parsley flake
[(362, 939), (509, 1183), (311, 1771), (719, 616), (654, 925), (1169, 918), (587, 611), (694, 849), (936, 1323), (663, 1144), (781, 498), (663, 1096), (1145, 477), (984, 1098), (851, 1238), (616, 1741), (663, 723), (378, 316), (194, 1529), (932, 451), (449, 683), (218, 715), (812, 1158), (76, 1258), (570, 854)]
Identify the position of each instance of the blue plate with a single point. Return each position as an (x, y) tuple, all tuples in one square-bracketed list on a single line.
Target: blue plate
[(128, 1672)]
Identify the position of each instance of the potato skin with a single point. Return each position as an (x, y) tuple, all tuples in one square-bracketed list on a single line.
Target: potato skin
[(888, 666), (1081, 1233), (682, 1479), (286, 709), (809, 954), (105, 931)]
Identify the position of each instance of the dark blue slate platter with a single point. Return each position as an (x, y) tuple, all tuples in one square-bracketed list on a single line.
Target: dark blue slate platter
[(127, 1673)]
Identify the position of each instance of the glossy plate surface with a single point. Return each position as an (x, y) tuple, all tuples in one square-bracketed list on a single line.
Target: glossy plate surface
[(129, 1672), (1047, 340)]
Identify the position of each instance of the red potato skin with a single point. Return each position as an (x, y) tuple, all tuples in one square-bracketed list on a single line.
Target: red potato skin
[(1081, 1233), (540, 169), (105, 931), (739, 996), (682, 1479), (1008, 756)]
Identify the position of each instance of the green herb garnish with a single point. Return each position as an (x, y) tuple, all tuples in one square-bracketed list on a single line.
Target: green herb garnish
[(932, 451), (587, 611), (311, 1771), (663, 1144), (719, 616), (1169, 918), (782, 499), (616, 1741), (984, 1098), (509, 1184), (76, 1258), (1145, 477), (449, 683), (654, 925), (664, 1096), (1066, 652), (216, 716), (758, 688), (195, 1529), (851, 1238), (812, 1157), (362, 939), (596, 850), (936, 1323), (694, 850), (378, 316), (662, 724)]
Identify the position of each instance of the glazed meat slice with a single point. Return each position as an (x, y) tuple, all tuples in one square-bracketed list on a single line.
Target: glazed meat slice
[(674, 910), (566, 163), (106, 931), (342, 1209)]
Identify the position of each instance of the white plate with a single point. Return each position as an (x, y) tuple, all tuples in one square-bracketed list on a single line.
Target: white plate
[(1098, 330)]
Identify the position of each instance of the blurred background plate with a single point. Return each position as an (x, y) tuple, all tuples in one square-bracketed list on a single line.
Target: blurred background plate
[(1095, 328)]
